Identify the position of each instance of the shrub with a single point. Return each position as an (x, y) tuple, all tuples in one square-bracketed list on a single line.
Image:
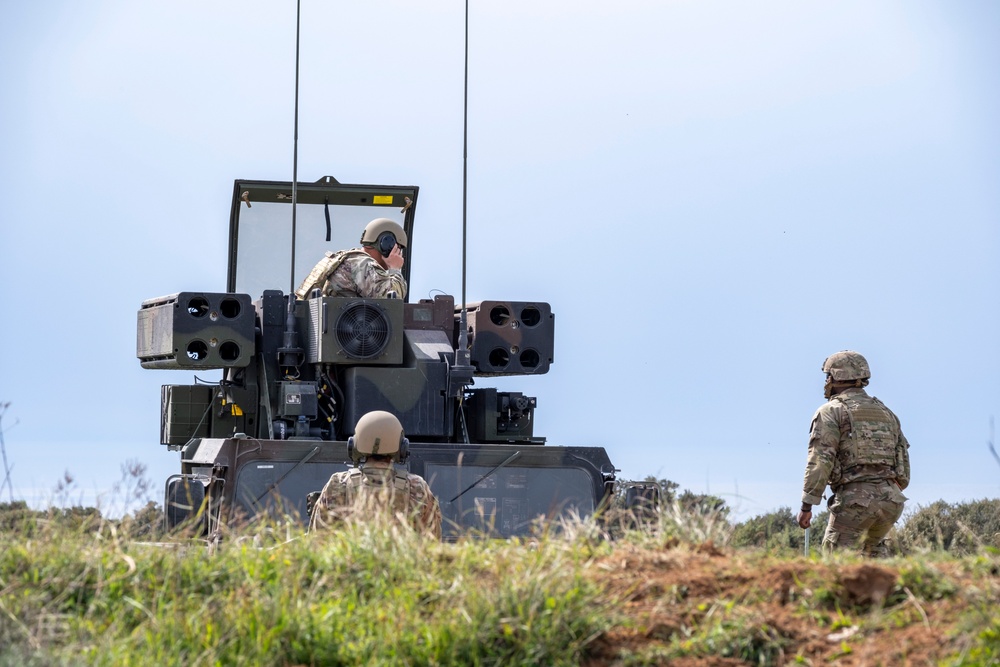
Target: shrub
[(778, 531), (774, 530), (954, 527)]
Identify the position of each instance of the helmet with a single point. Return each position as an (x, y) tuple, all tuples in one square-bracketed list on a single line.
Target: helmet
[(378, 433), (846, 366), (384, 234)]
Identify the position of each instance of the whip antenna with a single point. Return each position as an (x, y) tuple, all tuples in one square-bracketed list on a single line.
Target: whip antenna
[(295, 144), (465, 156), (461, 372)]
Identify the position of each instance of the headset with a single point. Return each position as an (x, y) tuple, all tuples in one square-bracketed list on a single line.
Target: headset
[(401, 455), (385, 243)]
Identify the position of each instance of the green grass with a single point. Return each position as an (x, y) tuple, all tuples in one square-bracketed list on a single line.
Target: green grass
[(79, 590), (368, 594)]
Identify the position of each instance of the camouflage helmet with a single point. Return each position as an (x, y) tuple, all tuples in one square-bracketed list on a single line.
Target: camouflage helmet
[(377, 233), (846, 366), (378, 433)]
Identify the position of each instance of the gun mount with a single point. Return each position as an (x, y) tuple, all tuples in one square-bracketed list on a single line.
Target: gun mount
[(297, 374)]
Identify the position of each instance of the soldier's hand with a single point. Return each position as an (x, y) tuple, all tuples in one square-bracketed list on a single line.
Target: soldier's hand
[(395, 260), (805, 519)]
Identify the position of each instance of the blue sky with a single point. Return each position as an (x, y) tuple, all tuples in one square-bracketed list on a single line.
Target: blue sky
[(713, 197)]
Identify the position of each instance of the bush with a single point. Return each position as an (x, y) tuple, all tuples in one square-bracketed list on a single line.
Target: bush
[(686, 516), (774, 530), (953, 527), (778, 531)]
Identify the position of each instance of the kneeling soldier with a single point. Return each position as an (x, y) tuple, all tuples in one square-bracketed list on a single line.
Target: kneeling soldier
[(376, 487)]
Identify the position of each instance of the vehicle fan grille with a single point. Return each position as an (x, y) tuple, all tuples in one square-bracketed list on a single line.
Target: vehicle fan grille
[(363, 330)]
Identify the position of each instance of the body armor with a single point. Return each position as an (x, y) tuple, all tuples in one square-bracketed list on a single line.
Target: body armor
[(377, 492), (388, 488), (317, 278), (869, 453)]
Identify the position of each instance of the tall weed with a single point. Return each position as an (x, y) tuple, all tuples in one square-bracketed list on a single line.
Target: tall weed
[(370, 593)]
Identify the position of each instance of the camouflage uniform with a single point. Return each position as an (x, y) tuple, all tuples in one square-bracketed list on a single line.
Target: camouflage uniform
[(378, 488), (857, 447), (357, 274)]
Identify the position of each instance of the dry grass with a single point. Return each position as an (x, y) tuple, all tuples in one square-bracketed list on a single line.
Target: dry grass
[(78, 589)]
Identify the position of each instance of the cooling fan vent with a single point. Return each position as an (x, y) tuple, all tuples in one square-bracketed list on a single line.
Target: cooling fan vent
[(363, 330)]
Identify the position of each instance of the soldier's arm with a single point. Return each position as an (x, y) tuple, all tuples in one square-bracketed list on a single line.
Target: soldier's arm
[(376, 282), (428, 511), (902, 465), (434, 517), (332, 505), (318, 520), (824, 439)]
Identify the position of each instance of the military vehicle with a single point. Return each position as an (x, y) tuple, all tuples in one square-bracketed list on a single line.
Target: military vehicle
[(298, 373)]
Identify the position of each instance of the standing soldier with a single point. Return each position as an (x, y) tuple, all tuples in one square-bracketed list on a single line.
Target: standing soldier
[(375, 487), (857, 447)]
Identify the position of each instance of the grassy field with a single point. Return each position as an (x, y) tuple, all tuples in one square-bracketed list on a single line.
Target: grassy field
[(86, 591)]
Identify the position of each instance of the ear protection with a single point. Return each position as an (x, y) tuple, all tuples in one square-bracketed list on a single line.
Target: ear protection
[(385, 243), (401, 455)]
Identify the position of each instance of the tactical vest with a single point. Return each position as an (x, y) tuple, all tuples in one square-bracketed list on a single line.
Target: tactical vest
[(390, 487), (323, 270), (869, 452)]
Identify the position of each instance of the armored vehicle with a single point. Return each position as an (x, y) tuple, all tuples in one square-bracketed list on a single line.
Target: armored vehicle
[(297, 374)]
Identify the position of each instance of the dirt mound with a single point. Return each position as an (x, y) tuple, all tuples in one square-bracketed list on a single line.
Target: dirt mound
[(867, 584), (704, 606)]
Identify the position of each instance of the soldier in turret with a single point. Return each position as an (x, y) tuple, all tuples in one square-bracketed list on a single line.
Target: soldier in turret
[(857, 447), (373, 271), (376, 488)]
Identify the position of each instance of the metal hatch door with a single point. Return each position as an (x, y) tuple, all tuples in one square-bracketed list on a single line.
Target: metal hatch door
[(260, 228)]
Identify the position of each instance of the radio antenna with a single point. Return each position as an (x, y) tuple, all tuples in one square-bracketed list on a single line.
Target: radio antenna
[(462, 371), (295, 145), (465, 156)]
